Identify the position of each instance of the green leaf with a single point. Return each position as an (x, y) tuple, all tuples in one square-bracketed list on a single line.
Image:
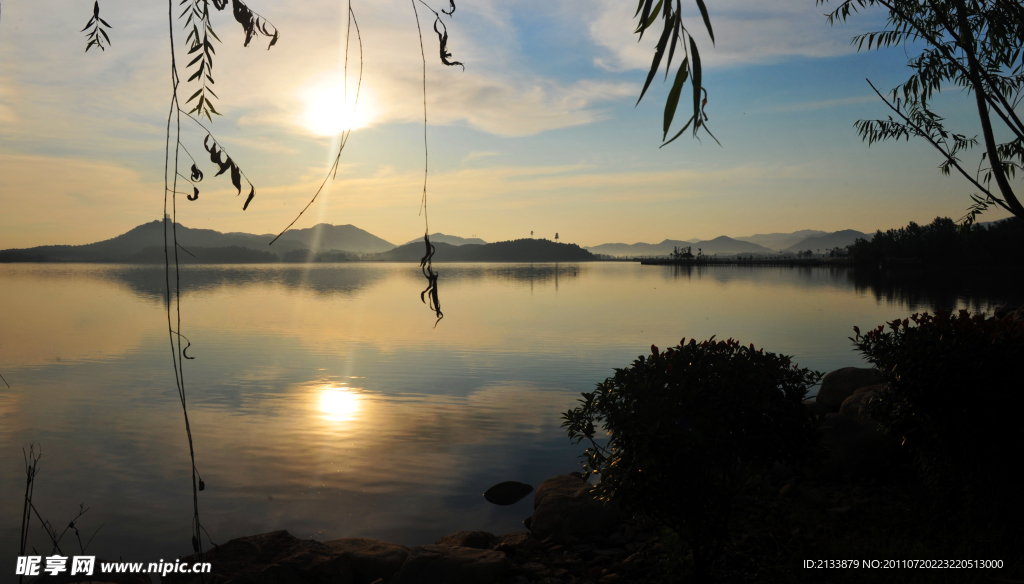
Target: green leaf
[(696, 83), (673, 96), (658, 52), (707, 20), (679, 133)]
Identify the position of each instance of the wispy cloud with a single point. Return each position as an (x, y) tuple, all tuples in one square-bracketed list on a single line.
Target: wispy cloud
[(746, 32)]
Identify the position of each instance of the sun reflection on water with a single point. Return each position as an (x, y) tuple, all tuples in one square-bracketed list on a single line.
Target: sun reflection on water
[(339, 403)]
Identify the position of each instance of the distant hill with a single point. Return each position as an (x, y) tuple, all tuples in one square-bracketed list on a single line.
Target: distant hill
[(720, 244), (638, 249), (325, 237), (449, 239), (127, 246), (778, 241), (837, 239), (724, 245), (520, 250)]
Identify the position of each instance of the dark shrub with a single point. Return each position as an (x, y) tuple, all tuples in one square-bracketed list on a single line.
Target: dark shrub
[(687, 426), (953, 398)]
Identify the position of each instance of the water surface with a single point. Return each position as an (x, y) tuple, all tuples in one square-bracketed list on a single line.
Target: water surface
[(322, 400)]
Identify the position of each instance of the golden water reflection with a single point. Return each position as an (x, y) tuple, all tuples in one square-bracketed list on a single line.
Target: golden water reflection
[(339, 403)]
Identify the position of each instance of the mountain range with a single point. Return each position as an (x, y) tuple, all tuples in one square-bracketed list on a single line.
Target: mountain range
[(449, 239), (344, 242), (765, 243)]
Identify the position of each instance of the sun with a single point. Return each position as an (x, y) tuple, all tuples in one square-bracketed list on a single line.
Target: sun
[(328, 113)]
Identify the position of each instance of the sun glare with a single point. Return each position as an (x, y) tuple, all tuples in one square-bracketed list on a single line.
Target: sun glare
[(339, 404), (327, 113)]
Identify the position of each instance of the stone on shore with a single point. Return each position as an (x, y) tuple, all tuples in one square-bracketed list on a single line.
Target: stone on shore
[(507, 493), (277, 557), (445, 564), (480, 540), (853, 405), (564, 507), (840, 384), (369, 559)]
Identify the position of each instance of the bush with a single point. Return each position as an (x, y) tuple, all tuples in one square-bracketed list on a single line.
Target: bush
[(687, 426), (953, 397)]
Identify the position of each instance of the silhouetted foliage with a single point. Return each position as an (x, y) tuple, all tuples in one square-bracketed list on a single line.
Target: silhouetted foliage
[(974, 45), (937, 369), (674, 34), (97, 36), (686, 427), (942, 242), (431, 290)]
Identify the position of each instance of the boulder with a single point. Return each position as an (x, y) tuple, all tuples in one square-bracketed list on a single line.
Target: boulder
[(840, 384), (856, 449), (564, 507), (816, 411), (853, 405), (369, 559), (565, 485), (512, 541), (480, 540), (277, 557), (507, 493), (444, 564), (1004, 310)]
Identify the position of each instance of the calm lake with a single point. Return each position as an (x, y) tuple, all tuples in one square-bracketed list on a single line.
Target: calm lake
[(323, 401)]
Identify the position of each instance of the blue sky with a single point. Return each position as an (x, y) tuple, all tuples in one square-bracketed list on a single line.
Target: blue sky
[(538, 133)]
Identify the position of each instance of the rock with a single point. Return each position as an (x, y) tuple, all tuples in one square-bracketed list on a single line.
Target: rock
[(816, 410), (856, 449), (444, 564), (480, 540), (369, 559), (1005, 310), (514, 539), (277, 557), (564, 507), (852, 405), (507, 493), (840, 384)]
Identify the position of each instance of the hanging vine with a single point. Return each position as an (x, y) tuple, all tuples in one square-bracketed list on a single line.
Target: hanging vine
[(196, 20)]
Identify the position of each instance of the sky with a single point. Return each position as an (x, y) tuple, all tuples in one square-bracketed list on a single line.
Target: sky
[(540, 133)]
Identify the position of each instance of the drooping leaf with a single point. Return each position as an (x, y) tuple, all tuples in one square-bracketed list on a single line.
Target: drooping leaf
[(252, 23), (696, 83), (197, 175), (707, 19), (426, 266), (656, 62), (252, 193), (673, 97), (442, 36), (194, 195), (449, 12), (236, 178)]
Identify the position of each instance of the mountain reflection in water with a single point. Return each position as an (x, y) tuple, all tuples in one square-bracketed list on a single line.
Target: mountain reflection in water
[(322, 401)]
